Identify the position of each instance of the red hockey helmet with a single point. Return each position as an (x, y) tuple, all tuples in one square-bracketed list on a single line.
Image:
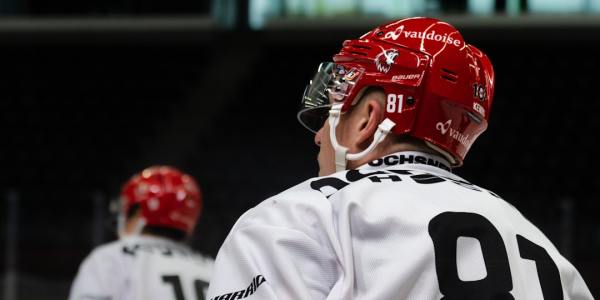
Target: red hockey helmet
[(438, 88), (166, 198)]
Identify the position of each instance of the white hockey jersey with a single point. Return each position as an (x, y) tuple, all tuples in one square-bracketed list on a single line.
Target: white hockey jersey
[(142, 268), (400, 227)]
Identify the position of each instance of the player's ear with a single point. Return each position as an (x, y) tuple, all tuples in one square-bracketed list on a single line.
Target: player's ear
[(370, 115)]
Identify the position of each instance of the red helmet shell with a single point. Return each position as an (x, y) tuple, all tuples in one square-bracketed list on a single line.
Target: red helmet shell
[(166, 196), (439, 89)]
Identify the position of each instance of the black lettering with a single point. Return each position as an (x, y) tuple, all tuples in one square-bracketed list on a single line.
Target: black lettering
[(332, 182), (445, 229), (391, 160), (427, 178), (256, 282), (175, 282), (421, 160), (249, 291), (226, 296), (262, 279), (238, 295), (464, 184), (548, 273), (401, 172), (406, 159), (376, 178), (167, 252), (130, 251), (433, 162), (200, 286), (445, 167), (376, 163), (356, 175)]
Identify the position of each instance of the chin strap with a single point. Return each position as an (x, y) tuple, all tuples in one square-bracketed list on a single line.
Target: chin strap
[(341, 152)]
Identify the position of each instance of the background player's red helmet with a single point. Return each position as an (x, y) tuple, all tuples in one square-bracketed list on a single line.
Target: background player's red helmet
[(439, 89), (166, 197)]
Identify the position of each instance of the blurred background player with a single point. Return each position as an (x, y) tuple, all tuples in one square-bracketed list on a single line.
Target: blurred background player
[(395, 111), (159, 210)]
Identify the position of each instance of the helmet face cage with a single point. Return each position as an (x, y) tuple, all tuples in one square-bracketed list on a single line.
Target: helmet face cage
[(331, 84)]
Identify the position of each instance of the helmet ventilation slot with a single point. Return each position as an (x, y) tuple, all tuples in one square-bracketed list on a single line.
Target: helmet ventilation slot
[(357, 53), (449, 75), (361, 47), (358, 49)]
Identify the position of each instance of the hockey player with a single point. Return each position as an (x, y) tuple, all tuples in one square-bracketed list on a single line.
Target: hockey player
[(159, 210), (387, 219)]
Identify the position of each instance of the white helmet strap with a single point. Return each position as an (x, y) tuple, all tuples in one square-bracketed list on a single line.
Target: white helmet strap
[(341, 152)]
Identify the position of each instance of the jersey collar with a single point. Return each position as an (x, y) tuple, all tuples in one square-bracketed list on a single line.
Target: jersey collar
[(409, 158), (151, 240)]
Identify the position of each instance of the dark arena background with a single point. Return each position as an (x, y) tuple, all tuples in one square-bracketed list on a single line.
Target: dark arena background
[(94, 91)]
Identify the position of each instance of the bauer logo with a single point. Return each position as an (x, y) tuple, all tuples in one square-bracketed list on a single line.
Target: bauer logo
[(406, 77), (385, 59)]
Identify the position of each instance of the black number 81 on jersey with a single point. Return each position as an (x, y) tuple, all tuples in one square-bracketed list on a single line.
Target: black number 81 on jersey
[(447, 227)]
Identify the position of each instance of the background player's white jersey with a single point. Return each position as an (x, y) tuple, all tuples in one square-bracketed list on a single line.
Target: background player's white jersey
[(142, 268), (400, 227)]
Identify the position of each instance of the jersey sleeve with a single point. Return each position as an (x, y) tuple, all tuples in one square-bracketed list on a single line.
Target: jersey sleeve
[(577, 289), (268, 256), (97, 278)]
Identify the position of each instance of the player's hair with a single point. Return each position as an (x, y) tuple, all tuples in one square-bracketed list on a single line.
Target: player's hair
[(166, 232)]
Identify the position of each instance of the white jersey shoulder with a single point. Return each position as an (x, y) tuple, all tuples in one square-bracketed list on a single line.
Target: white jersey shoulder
[(142, 267), (400, 227)]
